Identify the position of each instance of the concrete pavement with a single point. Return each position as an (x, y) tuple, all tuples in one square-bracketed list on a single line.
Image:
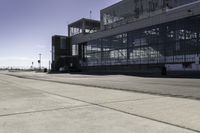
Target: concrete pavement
[(35, 106), (175, 87)]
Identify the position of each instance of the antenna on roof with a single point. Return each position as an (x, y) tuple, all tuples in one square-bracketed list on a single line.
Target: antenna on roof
[(90, 14)]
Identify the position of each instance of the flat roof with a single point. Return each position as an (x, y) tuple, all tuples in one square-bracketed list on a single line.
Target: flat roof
[(84, 19), (59, 36)]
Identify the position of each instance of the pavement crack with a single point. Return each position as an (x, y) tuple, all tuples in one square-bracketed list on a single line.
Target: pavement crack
[(44, 110), (122, 101)]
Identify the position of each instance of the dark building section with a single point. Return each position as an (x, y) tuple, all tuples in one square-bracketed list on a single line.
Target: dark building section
[(61, 51), (66, 58), (181, 2)]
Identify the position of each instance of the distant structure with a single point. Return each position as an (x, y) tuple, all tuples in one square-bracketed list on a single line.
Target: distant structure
[(135, 36)]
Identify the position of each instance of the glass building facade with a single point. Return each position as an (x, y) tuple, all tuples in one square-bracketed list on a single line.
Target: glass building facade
[(171, 42)]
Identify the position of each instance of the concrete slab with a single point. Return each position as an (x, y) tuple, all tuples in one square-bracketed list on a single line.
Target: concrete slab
[(83, 120), (171, 110), (177, 87), (91, 94), (38, 106), (15, 99)]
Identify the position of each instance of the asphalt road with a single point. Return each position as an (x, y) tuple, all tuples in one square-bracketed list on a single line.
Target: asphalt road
[(38, 106)]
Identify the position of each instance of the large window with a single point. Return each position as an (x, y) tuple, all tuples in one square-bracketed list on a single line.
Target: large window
[(173, 42)]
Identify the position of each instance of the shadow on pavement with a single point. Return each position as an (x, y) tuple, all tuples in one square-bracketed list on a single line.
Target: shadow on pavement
[(191, 75)]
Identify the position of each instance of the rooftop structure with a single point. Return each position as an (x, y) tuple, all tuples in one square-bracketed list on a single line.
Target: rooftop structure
[(85, 26)]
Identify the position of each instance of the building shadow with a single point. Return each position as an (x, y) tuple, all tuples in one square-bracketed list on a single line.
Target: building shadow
[(172, 74)]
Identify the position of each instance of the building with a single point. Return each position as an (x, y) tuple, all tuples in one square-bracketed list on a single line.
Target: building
[(61, 51), (140, 36)]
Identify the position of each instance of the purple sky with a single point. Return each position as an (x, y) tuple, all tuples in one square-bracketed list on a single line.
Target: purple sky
[(26, 26)]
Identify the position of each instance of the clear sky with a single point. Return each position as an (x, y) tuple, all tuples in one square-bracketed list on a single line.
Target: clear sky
[(26, 26)]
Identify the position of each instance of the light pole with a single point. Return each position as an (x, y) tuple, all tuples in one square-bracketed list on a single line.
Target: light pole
[(32, 65), (49, 65), (90, 14)]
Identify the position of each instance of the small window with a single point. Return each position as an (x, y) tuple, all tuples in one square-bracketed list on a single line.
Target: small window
[(178, 46), (53, 53), (75, 50), (63, 44)]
